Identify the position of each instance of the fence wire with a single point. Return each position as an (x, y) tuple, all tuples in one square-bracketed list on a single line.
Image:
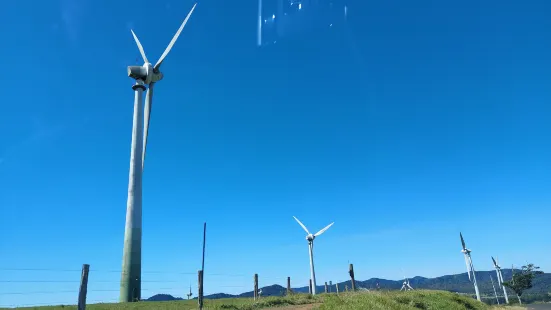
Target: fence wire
[(27, 287)]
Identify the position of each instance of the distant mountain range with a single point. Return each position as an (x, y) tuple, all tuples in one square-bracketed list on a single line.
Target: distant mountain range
[(455, 283)]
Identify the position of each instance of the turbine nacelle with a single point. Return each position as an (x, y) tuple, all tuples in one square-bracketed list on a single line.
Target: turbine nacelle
[(146, 73), (310, 238)]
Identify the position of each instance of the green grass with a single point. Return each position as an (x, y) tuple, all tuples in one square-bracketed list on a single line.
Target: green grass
[(393, 300)]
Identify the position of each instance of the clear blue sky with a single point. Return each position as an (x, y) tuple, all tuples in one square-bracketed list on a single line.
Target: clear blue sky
[(410, 123)]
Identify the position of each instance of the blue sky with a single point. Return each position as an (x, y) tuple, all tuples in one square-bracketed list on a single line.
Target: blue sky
[(409, 123)]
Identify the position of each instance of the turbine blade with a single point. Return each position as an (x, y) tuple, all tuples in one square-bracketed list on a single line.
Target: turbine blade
[(302, 225), (462, 241), (140, 47), (169, 47), (323, 230), (146, 116), (493, 260)]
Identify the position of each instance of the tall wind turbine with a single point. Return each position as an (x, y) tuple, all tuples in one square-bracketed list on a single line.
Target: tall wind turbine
[(470, 267), (500, 279), (130, 288), (310, 239)]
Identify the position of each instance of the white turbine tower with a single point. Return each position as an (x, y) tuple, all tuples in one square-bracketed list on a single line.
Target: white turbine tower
[(470, 267), (495, 293), (310, 239), (130, 288), (500, 279)]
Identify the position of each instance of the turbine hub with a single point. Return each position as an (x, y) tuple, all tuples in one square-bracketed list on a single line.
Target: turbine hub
[(310, 237), (149, 69)]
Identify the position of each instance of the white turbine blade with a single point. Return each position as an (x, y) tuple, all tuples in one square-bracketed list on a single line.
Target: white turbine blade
[(140, 47), (302, 225), (323, 230), (169, 47), (146, 116)]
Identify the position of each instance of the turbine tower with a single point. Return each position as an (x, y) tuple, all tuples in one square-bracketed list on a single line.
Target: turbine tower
[(470, 267), (310, 239), (130, 288), (494, 287), (500, 279)]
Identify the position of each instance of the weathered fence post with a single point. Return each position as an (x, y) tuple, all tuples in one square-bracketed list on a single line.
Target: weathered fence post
[(310, 287), (337, 287), (83, 287), (288, 285), (255, 286), (326, 288), (351, 272), (200, 289), (330, 286)]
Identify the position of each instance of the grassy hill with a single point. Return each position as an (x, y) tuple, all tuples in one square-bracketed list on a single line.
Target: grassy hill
[(393, 300), (454, 283)]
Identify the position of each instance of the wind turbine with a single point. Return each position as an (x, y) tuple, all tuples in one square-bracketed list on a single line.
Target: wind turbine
[(190, 293), (310, 239), (470, 267), (500, 279), (495, 293), (130, 288), (406, 286)]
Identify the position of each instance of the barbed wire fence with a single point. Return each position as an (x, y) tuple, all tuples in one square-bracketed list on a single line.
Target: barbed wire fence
[(28, 287)]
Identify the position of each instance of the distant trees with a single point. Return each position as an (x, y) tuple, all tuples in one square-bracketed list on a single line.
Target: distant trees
[(523, 280)]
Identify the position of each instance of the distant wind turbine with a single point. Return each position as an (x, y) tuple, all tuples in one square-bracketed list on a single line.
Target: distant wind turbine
[(500, 279), (310, 239), (470, 267), (190, 293), (406, 286)]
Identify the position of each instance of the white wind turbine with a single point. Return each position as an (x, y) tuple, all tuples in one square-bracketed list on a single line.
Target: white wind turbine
[(470, 267), (310, 239), (147, 74), (406, 286), (500, 279)]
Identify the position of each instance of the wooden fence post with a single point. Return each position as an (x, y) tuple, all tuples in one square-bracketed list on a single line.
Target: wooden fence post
[(326, 288), (83, 287), (200, 289), (337, 287), (330, 286), (255, 286), (288, 285), (351, 272), (310, 287)]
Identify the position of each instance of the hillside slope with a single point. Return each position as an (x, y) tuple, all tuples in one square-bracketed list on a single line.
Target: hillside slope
[(454, 283)]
